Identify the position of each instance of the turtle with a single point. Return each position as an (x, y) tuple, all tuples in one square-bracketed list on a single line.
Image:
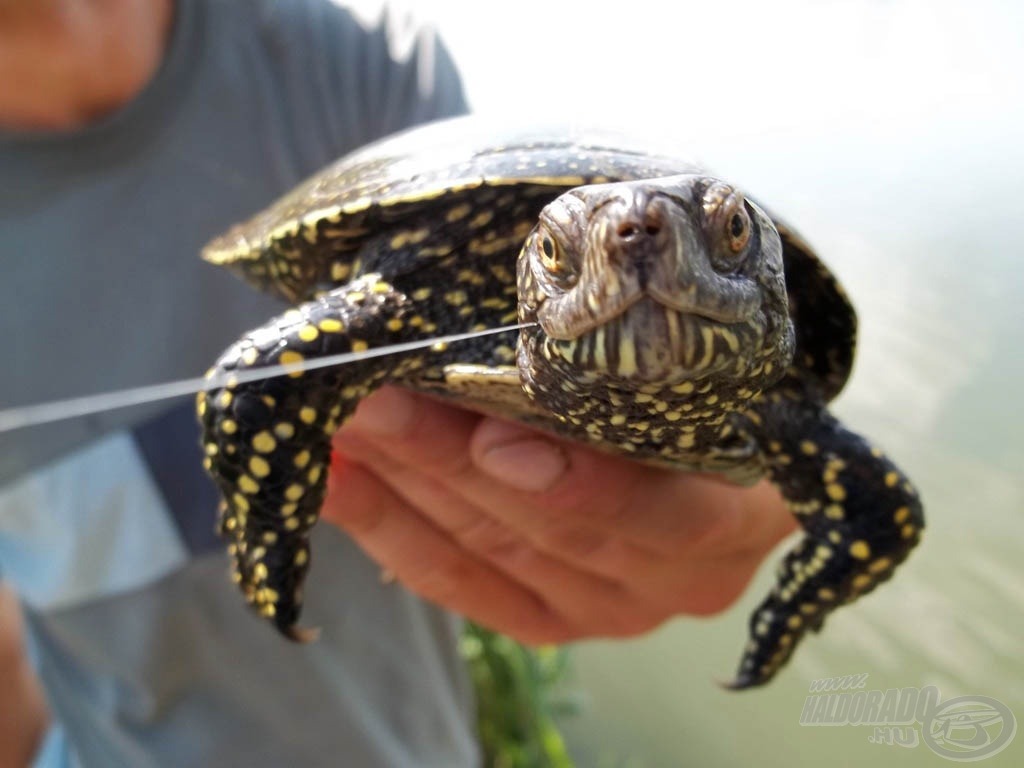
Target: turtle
[(663, 315)]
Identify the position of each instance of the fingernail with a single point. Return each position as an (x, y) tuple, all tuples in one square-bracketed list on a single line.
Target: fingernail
[(518, 457), (388, 412)]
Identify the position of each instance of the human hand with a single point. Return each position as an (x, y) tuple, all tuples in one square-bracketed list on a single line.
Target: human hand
[(544, 540)]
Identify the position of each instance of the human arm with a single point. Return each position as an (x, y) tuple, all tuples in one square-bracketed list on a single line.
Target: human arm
[(23, 711)]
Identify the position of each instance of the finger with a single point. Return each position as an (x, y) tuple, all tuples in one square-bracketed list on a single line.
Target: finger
[(435, 438), (669, 512), (427, 562), (439, 432), (589, 603), (558, 493), (644, 594)]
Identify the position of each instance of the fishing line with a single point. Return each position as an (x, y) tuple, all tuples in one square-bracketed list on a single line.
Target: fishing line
[(59, 410)]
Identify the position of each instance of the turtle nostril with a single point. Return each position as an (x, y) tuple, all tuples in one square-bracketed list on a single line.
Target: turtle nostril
[(628, 230), (631, 230)]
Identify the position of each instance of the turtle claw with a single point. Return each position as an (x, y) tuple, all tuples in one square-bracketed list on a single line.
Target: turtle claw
[(739, 683), (301, 635)]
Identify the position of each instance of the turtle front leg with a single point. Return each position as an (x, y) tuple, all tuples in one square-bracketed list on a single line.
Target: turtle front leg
[(268, 443), (860, 514)]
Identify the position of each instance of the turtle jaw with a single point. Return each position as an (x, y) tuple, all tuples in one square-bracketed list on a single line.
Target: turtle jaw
[(651, 342)]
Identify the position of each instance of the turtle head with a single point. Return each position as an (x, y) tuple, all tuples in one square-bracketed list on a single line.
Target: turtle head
[(655, 282)]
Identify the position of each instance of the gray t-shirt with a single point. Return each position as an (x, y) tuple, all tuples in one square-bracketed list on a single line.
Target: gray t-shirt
[(148, 654)]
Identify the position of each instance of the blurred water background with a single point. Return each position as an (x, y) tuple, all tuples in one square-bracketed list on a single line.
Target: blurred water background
[(890, 133)]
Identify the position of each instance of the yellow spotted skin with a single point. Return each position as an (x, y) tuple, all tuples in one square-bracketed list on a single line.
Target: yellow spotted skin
[(851, 545), (677, 323)]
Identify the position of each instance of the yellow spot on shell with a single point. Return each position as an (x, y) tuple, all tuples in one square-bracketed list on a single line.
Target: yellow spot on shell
[(301, 557), (808, 447), (340, 271), (684, 388), (358, 345), (314, 474), (308, 333), (241, 503), (264, 442), (284, 430), (395, 324), (287, 510), (259, 466), (301, 459), (224, 399), (307, 414), (481, 219), (879, 565), (826, 594), (267, 610), (247, 485), (331, 325), (456, 298), (835, 491), (458, 212), (259, 571), (409, 237), (834, 512), (860, 550), (291, 524), (901, 515), (270, 537), (794, 622), (861, 580), (908, 531), (291, 357), (891, 478), (294, 492)]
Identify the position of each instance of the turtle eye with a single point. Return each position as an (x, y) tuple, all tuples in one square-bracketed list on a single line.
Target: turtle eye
[(738, 230), (551, 255), (727, 222)]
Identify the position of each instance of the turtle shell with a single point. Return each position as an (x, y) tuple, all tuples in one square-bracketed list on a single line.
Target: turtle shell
[(400, 204)]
